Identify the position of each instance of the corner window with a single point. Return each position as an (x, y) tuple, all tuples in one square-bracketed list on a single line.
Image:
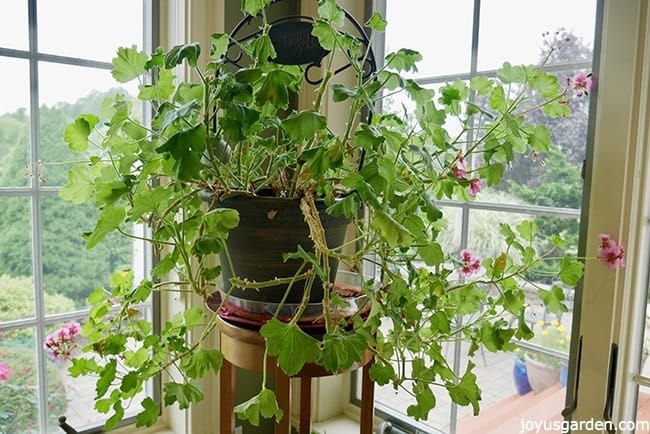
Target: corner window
[(459, 41), (55, 61)]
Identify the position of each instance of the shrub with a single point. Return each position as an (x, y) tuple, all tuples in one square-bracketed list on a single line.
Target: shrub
[(19, 394)]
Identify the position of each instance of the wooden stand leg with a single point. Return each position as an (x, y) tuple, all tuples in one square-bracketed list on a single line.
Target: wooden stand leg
[(367, 400), (305, 406), (283, 394), (227, 398)]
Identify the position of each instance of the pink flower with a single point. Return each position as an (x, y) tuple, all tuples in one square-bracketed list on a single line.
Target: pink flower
[(581, 83), (470, 263), (460, 169), (5, 372), (475, 186), (61, 343), (612, 254)]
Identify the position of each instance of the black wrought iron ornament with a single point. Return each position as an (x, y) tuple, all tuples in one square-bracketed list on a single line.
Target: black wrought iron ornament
[(295, 45)]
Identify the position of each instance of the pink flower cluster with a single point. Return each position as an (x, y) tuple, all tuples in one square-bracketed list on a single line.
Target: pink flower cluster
[(61, 343), (470, 263), (460, 171), (581, 83), (5, 372), (611, 254)]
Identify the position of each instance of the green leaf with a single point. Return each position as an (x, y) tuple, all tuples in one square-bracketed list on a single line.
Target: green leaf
[(106, 378), (466, 391), (262, 50), (425, 402), (527, 230), (482, 85), (492, 173), (325, 34), (182, 393), (377, 22), (540, 138), (546, 84), (219, 43), (381, 373), (186, 147), (341, 351), (129, 64), (109, 220), (81, 366), (136, 359), (161, 90), (76, 134), (80, 186), (290, 344), (496, 338), (498, 99), (432, 254), (511, 74), (553, 299), (193, 317), (254, 7), (274, 89), (202, 361), (149, 415), (403, 60), (264, 403), (117, 416), (304, 125), (330, 11), (390, 230), (129, 382), (341, 92), (571, 270), (178, 53), (556, 109)]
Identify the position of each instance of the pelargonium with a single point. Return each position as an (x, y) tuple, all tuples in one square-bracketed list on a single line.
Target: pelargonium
[(611, 253), (61, 344), (5, 372)]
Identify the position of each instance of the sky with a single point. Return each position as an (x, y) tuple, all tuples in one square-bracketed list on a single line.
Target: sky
[(439, 29), (90, 29)]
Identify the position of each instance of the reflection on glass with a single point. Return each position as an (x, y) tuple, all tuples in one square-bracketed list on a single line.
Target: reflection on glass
[(13, 25), (642, 425), (70, 270), (104, 26), (14, 122), (444, 36), (65, 92), (16, 286), (498, 42), (19, 386)]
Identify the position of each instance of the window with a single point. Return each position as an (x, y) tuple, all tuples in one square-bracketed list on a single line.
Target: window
[(458, 41), (55, 61)]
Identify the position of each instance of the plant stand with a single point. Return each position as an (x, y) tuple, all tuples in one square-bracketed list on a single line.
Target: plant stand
[(244, 348)]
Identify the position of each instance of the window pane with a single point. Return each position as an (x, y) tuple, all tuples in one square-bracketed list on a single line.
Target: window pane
[(19, 392), (67, 91), (88, 29), (445, 41), (70, 271), (14, 25), (14, 122), (519, 41), (16, 285)]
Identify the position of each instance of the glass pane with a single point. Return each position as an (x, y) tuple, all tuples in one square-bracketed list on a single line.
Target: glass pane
[(70, 271), (14, 25), (16, 287), (520, 41), (14, 122), (642, 412), (104, 26), (446, 43), (552, 178), (19, 388), (67, 91)]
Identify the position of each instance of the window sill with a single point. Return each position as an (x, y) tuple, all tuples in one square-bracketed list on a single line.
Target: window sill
[(338, 425)]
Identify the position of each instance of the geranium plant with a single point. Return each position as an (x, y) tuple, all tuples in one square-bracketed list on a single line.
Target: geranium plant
[(233, 133)]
